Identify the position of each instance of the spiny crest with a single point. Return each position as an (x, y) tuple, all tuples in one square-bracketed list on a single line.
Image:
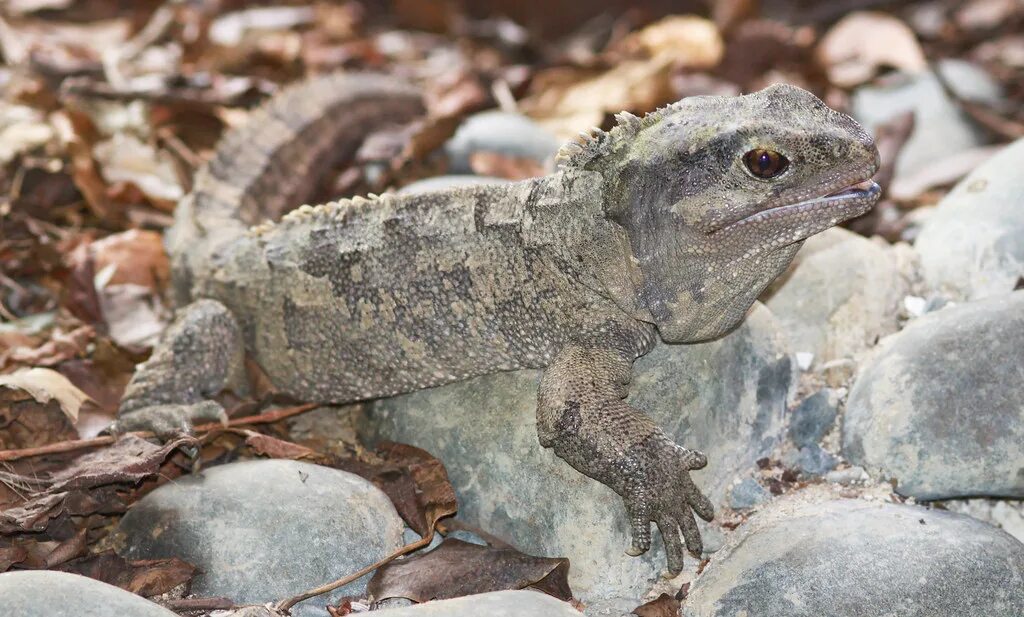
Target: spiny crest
[(594, 143), (332, 210)]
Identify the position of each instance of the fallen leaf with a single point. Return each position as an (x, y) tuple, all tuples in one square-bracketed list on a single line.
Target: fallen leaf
[(32, 515), (859, 45), (46, 385), (10, 555), (22, 129), (277, 448), (567, 101), (134, 315), (422, 493), (67, 550), (126, 158), (687, 41), (138, 258), (146, 578), (128, 460), (986, 14), (61, 346), (457, 568), (662, 606)]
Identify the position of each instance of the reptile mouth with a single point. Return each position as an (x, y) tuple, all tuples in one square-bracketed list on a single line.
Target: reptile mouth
[(863, 189), (847, 202)]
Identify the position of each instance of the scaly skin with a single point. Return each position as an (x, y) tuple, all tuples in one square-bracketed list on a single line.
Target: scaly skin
[(656, 229)]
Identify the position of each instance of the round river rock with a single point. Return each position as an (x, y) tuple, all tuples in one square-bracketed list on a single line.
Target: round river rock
[(266, 530), (41, 593), (858, 557)]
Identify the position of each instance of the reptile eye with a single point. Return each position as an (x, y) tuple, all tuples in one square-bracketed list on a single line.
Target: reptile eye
[(765, 163)]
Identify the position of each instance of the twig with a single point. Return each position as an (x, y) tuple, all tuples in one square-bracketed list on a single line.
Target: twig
[(199, 604), (408, 548), (79, 444)]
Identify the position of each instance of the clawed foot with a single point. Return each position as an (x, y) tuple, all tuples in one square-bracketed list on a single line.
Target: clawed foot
[(662, 491), (169, 420)]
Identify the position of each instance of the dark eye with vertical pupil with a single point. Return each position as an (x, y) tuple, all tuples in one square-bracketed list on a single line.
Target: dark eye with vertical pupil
[(765, 163)]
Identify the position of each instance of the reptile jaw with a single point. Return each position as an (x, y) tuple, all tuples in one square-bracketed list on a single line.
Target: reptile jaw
[(810, 216)]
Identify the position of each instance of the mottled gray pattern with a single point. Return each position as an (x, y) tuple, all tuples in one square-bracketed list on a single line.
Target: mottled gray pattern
[(655, 228)]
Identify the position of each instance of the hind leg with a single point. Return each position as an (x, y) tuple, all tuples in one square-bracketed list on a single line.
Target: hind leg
[(199, 355)]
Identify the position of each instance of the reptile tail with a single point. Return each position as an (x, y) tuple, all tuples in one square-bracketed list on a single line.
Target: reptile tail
[(275, 162)]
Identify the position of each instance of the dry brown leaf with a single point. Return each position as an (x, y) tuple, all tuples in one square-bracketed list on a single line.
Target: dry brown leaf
[(138, 257), (22, 129), (145, 577), (126, 158), (46, 385), (986, 14), (128, 460), (662, 606), (10, 555), (277, 448), (567, 101), (687, 41), (457, 568), (135, 316), (417, 484), (61, 346), (861, 43)]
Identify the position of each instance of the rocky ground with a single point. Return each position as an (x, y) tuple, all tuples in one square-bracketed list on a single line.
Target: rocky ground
[(864, 429)]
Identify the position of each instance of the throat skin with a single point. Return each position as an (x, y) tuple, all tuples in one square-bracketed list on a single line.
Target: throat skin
[(435, 287)]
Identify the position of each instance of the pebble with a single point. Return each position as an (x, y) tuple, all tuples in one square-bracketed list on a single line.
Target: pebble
[(44, 593), (972, 245), (266, 530), (936, 410), (510, 134), (858, 557)]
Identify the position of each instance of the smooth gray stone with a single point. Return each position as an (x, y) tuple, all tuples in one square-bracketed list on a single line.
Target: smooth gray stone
[(841, 294), (812, 419), (747, 494), (523, 603), (266, 530), (811, 460), (972, 245), (940, 127), (438, 183), (41, 593), (725, 398), (938, 409), (857, 557), (505, 133)]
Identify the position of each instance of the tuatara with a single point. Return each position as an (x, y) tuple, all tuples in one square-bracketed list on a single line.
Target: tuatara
[(666, 226)]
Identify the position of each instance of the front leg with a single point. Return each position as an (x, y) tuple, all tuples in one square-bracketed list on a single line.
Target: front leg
[(581, 414)]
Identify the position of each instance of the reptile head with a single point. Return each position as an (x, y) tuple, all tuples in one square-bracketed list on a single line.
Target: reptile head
[(716, 195)]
